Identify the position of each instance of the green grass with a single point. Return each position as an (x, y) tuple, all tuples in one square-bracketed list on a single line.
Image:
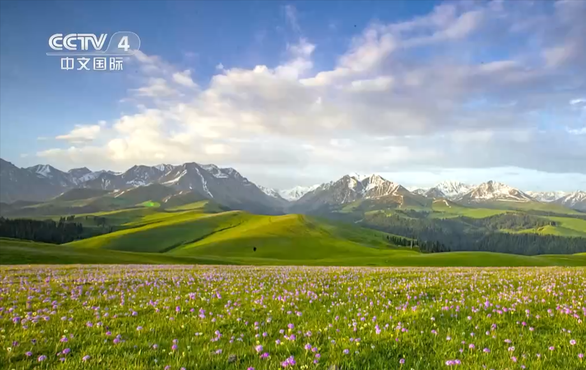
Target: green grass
[(150, 204), (22, 252), (168, 232), (565, 226), (19, 252), (203, 206), (549, 230), (226, 318), (182, 233), (288, 238), (532, 206), (452, 210), (574, 224)]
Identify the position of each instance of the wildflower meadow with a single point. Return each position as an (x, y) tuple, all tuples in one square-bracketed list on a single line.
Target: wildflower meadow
[(253, 318)]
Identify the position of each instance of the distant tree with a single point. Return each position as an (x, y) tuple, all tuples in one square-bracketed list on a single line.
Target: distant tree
[(47, 231)]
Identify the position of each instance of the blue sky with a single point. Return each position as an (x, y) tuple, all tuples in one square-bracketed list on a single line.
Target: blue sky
[(297, 93)]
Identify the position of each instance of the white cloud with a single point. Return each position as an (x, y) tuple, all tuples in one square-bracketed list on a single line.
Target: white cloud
[(581, 131), (291, 16), (82, 133), (381, 83), (157, 87), (184, 78), (382, 106)]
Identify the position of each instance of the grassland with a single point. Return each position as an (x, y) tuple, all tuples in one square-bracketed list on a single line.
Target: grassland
[(266, 318), (14, 252), (447, 209)]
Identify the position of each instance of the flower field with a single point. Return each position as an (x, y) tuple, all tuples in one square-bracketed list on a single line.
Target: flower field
[(196, 317)]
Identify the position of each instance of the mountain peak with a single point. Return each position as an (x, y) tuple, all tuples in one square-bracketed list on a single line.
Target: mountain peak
[(44, 170), (576, 200), (546, 196), (448, 189), (358, 176), (493, 190), (297, 192)]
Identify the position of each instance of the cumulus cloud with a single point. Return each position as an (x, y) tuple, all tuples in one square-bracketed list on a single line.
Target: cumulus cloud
[(82, 133), (184, 78), (421, 93)]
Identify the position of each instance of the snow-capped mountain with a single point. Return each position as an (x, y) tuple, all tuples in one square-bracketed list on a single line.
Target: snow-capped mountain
[(492, 190), (269, 191), (230, 188), (575, 200), (351, 188), (546, 196), (297, 192), (53, 175), (446, 189), (77, 174), (452, 189), (418, 191), (224, 185), (435, 193)]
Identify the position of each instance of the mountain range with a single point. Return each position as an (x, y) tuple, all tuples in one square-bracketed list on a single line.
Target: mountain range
[(228, 187)]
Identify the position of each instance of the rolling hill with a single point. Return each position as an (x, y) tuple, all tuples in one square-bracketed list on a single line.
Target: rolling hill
[(19, 252), (204, 232)]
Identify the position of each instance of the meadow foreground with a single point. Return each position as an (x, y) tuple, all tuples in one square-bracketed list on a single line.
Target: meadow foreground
[(212, 317)]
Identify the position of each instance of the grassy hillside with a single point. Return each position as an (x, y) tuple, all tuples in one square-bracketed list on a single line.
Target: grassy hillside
[(531, 206), (234, 232), (289, 237), (156, 228), (13, 252), (447, 209), (574, 224), (163, 232)]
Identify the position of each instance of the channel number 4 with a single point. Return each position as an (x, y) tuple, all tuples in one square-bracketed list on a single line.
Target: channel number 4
[(123, 44)]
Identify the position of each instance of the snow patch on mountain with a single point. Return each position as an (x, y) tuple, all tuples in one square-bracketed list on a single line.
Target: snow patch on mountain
[(90, 176), (451, 188), (297, 192), (493, 190), (176, 179), (359, 176), (546, 196), (164, 167), (203, 183), (269, 191), (218, 173), (575, 200), (42, 170)]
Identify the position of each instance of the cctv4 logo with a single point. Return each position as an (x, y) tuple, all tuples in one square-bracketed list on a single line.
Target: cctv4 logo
[(82, 41)]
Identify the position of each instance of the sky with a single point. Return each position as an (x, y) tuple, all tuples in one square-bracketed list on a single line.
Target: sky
[(299, 93)]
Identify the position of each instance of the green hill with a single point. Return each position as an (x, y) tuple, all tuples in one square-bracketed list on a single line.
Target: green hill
[(289, 237), (234, 233), (159, 226), (18, 252)]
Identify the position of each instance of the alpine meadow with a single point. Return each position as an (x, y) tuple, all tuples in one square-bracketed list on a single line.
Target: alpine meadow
[(263, 185)]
